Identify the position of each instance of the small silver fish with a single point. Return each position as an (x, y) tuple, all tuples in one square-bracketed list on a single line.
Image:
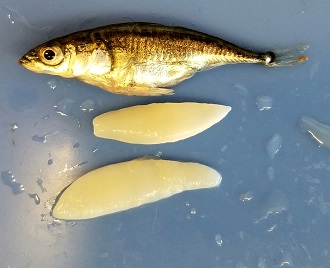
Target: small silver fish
[(143, 58)]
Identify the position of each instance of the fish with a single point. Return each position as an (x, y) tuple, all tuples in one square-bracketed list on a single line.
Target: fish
[(144, 59)]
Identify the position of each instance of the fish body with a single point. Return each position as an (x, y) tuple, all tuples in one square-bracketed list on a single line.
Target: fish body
[(143, 58)]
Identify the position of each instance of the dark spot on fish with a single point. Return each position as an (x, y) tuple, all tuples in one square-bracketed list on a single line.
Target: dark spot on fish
[(82, 39)]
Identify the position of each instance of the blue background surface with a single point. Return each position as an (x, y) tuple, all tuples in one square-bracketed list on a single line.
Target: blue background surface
[(268, 212)]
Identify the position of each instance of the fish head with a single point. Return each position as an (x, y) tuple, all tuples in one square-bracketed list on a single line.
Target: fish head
[(51, 58), (68, 58)]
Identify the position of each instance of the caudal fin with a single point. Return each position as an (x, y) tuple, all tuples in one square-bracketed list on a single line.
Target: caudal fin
[(285, 57)]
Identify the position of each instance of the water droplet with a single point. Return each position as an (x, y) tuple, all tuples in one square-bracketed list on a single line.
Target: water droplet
[(13, 127), (13, 15), (78, 122), (264, 103), (44, 118), (241, 235), (40, 182), (53, 224), (246, 196), (38, 138), (193, 211), (52, 84), (274, 145), (87, 105), (76, 145), (66, 168), (218, 240), (87, 22), (66, 107), (261, 263), (71, 223), (95, 150), (314, 70), (320, 132), (104, 255), (9, 17), (271, 228), (43, 216), (221, 161), (307, 252), (8, 179), (50, 162), (273, 203), (241, 90), (286, 260), (270, 173), (241, 265), (36, 198), (244, 105)]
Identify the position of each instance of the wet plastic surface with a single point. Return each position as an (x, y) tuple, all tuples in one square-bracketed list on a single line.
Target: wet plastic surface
[(272, 208)]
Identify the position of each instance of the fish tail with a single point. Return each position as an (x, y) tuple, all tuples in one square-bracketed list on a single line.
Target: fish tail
[(285, 57)]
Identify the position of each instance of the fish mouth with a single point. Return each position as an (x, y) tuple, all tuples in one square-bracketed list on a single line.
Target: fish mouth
[(28, 58), (23, 61)]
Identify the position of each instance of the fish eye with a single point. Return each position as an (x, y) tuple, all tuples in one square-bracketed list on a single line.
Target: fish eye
[(51, 55)]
